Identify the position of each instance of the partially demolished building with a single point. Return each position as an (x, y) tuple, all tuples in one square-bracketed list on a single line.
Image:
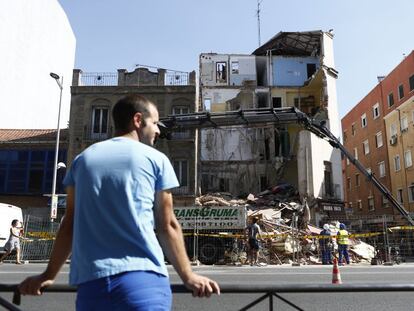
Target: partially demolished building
[(291, 69)]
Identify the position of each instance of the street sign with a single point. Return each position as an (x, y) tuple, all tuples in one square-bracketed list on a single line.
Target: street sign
[(53, 207)]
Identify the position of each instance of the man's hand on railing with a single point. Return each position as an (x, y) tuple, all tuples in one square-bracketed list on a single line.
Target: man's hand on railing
[(33, 285), (201, 286)]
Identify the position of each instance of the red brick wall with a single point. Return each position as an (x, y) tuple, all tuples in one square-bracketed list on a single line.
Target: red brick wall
[(379, 94)]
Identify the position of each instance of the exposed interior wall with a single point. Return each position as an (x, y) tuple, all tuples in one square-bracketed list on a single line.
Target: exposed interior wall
[(293, 71), (242, 69), (262, 72)]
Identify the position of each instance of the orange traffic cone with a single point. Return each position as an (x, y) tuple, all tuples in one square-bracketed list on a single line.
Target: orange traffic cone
[(336, 276)]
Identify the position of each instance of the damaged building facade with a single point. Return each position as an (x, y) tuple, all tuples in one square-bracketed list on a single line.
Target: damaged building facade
[(293, 69)]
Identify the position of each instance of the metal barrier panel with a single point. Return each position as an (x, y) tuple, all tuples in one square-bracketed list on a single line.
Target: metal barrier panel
[(212, 247), (38, 238), (394, 243)]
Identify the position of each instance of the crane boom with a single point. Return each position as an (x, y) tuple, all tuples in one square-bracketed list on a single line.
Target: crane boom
[(278, 116)]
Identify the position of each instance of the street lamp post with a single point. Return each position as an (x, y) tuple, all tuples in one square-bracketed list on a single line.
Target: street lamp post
[(54, 202)]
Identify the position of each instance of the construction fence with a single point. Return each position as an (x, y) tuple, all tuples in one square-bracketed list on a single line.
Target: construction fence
[(376, 240), (390, 240)]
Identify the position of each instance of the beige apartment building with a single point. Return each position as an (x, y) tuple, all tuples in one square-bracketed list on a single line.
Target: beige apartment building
[(399, 126)]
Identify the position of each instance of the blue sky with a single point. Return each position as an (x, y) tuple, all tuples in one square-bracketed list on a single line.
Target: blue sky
[(371, 36)]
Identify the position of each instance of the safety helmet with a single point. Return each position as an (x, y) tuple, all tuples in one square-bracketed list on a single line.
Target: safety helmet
[(326, 226), (342, 226)]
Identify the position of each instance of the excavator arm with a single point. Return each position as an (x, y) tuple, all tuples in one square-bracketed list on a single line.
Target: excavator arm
[(272, 116)]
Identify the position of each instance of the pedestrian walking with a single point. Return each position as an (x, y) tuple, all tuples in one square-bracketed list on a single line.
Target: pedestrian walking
[(13, 243), (253, 231), (343, 242), (325, 245), (119, 220)]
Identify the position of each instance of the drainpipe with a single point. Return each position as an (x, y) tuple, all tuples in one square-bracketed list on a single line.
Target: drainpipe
[(403, 160)]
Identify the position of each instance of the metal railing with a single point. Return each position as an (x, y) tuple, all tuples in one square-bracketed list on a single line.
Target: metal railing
[(176, 78), (269, 292), (99, 79)]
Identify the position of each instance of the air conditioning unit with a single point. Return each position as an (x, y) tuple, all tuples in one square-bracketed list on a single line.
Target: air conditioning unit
[(393, 140)]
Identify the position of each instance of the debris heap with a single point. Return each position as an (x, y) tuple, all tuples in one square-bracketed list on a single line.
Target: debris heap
[(284, 221)]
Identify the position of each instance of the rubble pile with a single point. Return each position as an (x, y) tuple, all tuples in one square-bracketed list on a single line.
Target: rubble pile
[(284, 221)]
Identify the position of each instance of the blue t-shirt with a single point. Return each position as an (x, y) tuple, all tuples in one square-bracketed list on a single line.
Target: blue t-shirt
[(115, 183)]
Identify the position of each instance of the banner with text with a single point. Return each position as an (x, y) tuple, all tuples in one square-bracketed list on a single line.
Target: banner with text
[(211, 217)]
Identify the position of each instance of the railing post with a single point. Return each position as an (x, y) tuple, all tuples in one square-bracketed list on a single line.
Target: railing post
[(388, 260)]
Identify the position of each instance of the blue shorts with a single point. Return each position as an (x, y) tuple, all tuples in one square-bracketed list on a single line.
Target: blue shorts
[(134, 290)]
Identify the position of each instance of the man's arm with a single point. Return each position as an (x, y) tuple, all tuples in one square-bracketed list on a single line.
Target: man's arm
[(60, 252), (172, 242)]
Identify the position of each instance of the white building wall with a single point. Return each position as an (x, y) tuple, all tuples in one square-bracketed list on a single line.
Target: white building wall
[(36, 39), (313, 151), (229, 144), (333, 114)]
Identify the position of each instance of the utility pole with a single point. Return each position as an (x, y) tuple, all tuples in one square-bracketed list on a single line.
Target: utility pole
[(258, 18)]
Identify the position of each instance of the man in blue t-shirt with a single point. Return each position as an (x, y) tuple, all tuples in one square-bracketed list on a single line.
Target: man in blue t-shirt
[(117, 194)]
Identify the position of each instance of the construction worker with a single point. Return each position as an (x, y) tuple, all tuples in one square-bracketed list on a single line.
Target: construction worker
[(325, 245), (343, 243)]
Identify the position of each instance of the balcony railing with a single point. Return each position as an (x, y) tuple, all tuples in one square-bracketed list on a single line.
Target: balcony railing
[(176, 78), (99, 79)]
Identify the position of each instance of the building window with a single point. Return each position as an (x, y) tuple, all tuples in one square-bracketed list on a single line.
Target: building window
[(356, 153), (357, 180), (347, 161), (180, 134), (344, 136), (408, 161), (381, 168), (371, 204), (364, 120), (378, 140), (385, 202), (393, 129), (353, 131), (235, 68), (369, 171), (349, 183), (375, 111), (365, 146), (180, 110), (30, 171), (397, 164), (100, 123), (350, 205), (404, 124), (400, 91), (411, 82), (181, 170), (277, 102), (359, 203), (390, 99), (207, 104), (411, 193), (400, 196), (221, 72)]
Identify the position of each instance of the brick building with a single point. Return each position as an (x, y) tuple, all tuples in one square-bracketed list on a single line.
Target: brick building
[(379, 132)]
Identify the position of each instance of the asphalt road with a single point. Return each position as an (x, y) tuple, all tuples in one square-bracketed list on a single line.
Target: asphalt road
[(401, 274)]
